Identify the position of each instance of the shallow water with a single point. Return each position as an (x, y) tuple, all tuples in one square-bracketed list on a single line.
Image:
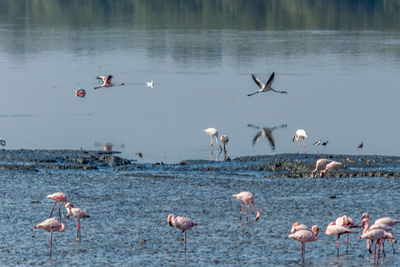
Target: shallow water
[(128, 218)]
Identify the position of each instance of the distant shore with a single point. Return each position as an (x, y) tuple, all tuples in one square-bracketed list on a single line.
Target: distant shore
[(279, 165)]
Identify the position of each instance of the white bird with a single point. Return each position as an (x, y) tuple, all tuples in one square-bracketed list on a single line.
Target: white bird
[(316, 144), (150, 84), (212, 132), (106, 82), (300, 134), (78, 214), (265, 87)]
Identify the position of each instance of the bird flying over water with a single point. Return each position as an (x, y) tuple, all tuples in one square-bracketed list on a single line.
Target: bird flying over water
[(267, 132), (106, 82), (265, 87)]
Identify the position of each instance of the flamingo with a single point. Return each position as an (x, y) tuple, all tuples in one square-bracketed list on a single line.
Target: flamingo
[(58, 197), (333, 229), (150, 84), (347, 222), (321, 163), (224, 141), (106, 82), (78, 214), (304, 236), (181, 223), (374, 235), (298, 226), (316, 144), (247, 197), (387, 220), (212, 132), (330, 166), (80, 92), (267, 132), (360, 147), (265, 87), (51, 225), (385, 228), (300, 134), (2, 142)]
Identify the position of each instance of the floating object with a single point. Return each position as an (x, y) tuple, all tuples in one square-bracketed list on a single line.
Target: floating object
[(265, 87), (108, 147), (80, 93), (107, 82), (149, 84)]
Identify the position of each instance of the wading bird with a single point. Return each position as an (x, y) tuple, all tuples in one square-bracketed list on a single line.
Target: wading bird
[(360, 147), (212, 132), (78, 214), (224, 141), (298, 226), (181, 223), (247, 197), (347, 222), (316, 144), (300, 134), (304, 236), (321, 163), (58, 197), (337, 230), (330, 166), (51, 225), (265, 87), (106, 82), (265, 132)]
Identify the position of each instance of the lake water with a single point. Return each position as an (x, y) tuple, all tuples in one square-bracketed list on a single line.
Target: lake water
[(128, 224), (338, 61)]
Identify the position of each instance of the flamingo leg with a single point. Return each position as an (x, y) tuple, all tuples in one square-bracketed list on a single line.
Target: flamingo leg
[(303, 250), (393, 247), (78, 233), (383, 247), (298, 148), (304, 144), (245, 205), (51, 242), (51, 213), (185, 241), (379, 248), (59, 209), (375, 251), (347, 242), (241, 212), (337, 244)]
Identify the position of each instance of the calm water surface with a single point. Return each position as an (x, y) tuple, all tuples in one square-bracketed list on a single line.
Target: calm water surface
[(128, 219)]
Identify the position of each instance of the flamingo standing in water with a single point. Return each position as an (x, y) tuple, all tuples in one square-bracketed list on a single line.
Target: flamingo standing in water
[(333, 229), (58, 197), (304, 236), (297, 227), (347, 222), (181, 223), (330, 166), (247, 197), (225, 140), (265, 87), (321, 163), (78, 214), (106, 82), (51, 225), (212, 132), (300, 134)]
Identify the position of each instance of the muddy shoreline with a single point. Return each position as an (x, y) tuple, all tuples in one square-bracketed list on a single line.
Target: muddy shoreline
[(280, 165)]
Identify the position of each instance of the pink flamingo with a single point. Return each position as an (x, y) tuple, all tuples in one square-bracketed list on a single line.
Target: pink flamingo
[(333, 229), (297, 227), (304, 236), (265, 87), (387, 220), (347, 222), (321, 163), (181, 223), (78, 214), (374, 235), (247, 197), (330, 166), (300, 134), (51, 225), (106, 82), (58, 197)]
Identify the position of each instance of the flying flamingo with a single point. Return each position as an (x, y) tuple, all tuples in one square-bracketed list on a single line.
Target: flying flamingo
[(247, 197), (266, 132), (304, 236), (265, 87), (106, 82), (347, 222), (321, 163), (150, 84), (51, 225), (212, 132), (330, 166), (225, 140), (58, 197), (333, 229), (181, 223), (300, 134), (374, 235), (78, 214)]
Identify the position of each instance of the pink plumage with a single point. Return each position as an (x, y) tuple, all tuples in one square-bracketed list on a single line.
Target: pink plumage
[(321, 163), (51, 225), (181, 223), (57, 197), (247, 197), (298, 226), (387, 220), (78, 214), (304, 236)]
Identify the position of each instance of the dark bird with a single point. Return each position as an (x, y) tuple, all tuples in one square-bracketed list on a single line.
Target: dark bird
[(267, 132), (265, 87), (360, 146)]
